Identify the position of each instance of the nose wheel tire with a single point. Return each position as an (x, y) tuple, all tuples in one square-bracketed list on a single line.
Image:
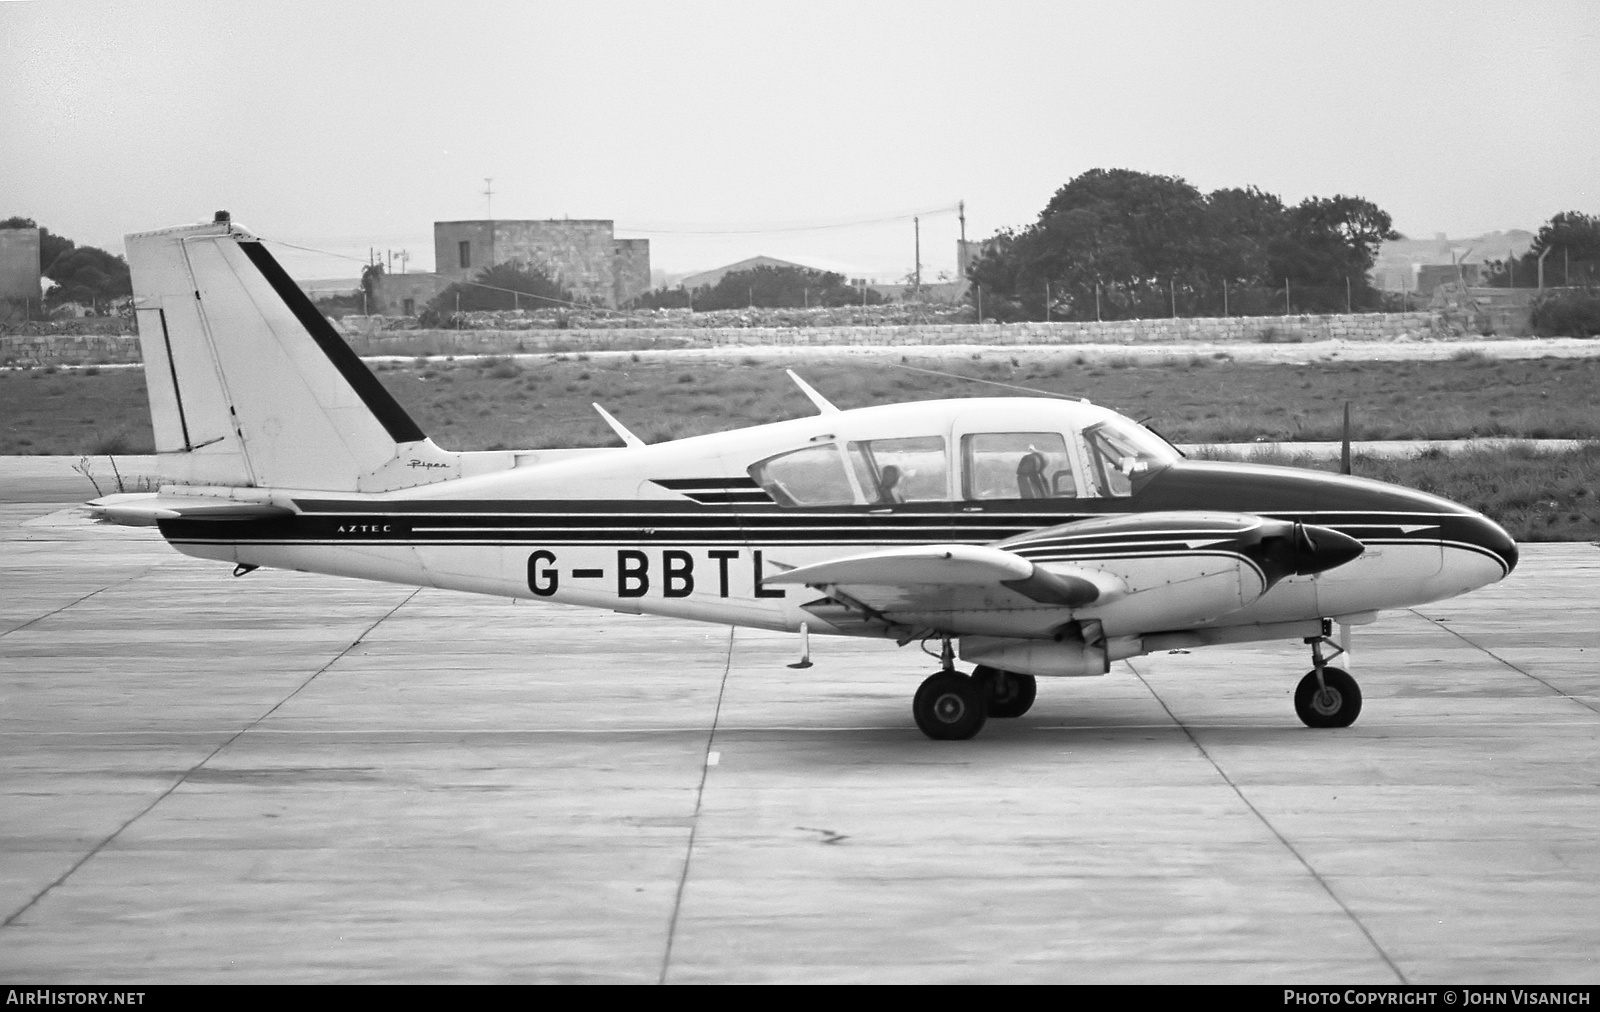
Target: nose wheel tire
[(949, 706), (1337, 705), (1008, 693)]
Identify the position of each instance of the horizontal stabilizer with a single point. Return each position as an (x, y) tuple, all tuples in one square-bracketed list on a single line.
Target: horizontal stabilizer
[(143, 509)]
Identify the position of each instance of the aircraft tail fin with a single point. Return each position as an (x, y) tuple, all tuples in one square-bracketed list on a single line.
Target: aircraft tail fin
[(249, 383)]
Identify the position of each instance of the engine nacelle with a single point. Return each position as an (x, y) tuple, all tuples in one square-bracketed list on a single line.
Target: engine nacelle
[(1072, 656)]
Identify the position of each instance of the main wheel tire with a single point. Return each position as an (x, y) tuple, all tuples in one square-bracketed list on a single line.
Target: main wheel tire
[(1336, 706), (949, 706), (1007, 693)]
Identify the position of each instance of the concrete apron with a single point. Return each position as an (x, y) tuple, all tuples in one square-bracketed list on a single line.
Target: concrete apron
[(297, 778)]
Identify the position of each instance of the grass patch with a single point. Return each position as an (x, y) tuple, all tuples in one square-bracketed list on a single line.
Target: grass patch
[(1223, 401)]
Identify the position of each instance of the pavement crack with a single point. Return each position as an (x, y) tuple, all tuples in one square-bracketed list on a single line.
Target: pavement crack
[(191, 771), (1521, 671), (1316, 876), (74, 603), (694, 824)]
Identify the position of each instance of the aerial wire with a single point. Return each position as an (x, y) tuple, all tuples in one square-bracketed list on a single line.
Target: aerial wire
[(779, 229), (994, 383)]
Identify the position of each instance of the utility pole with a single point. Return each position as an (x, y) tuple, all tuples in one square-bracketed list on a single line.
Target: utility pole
[(1172, 289), (916, 225), (1285, 296), (961, 215), (1347, 294), (1224, 297), (1547, 252), (488, 197), (1047, 302), (1097, 301)]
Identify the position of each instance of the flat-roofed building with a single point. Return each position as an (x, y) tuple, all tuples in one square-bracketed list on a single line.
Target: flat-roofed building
[(582, 255), (19, 264)]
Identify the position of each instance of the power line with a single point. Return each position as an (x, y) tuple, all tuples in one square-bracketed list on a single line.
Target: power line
[(784, 229)]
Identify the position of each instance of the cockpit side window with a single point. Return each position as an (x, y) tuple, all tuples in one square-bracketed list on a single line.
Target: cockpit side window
[(1017, 465), (811, 476), (1118, 451), (901, 470)]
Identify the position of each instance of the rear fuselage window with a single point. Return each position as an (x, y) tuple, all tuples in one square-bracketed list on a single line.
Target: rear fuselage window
[(875, 472), (1017, 465), (901, 470), (813, 476)]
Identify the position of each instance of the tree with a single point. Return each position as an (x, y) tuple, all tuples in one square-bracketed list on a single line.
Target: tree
[(509, 285), (1244, 224), (1120, 243), (89, 276), (369, 285), (83, 274), (1573, 239), (771, 286)]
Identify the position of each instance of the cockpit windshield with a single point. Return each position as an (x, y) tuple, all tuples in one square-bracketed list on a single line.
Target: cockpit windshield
[(1121, 450)]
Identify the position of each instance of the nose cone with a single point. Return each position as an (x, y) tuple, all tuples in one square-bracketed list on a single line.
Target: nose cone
[(1319, 549), (1479, 532)]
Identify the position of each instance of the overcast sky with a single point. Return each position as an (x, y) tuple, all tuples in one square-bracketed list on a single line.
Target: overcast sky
[(721, 130)]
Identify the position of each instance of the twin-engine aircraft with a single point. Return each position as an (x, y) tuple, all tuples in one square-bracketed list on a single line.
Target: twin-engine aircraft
[(1031, 537)]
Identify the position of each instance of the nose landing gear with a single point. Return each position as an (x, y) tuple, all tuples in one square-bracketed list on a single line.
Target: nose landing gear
[(1327, 696)]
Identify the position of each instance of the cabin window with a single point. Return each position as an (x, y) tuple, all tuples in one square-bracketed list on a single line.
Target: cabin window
[(901, 470), (813, 476), (1120, 450), (464, 248), (1017, 465)]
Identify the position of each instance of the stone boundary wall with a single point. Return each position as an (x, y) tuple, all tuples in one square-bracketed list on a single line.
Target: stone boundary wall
[(1218, 330), (75, 349), (1229, 330)]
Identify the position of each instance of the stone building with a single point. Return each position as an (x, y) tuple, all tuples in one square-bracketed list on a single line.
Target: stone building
[(19, 264), (582, 255), (406, 294)]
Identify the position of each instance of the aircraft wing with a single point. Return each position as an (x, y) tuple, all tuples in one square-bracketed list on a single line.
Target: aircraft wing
[(145, 509), (1135, 573), (960, 577)]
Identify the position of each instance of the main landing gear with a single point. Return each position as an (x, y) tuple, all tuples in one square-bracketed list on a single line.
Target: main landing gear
[(951, 706), (1327, 697)]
